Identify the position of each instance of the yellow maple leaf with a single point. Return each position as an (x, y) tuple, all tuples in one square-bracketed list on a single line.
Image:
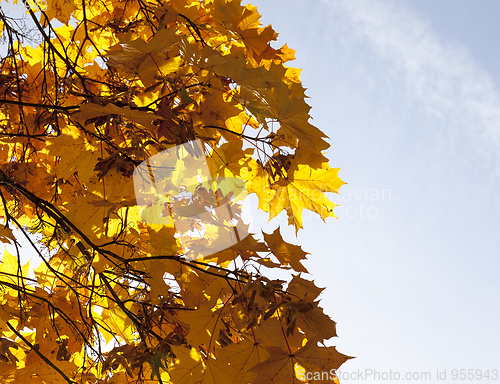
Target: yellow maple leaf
[(147, 59), (287, 254), (257, 39), (257, 181), (243, 356), (10, 268), (205, 325), (304, 188), (287, 105), (303, 289), (187, 367), (59, 9), (236, 68), (76, 152), (229, 158), (45, 277), (280, 365), (316, 325), (6, 234)]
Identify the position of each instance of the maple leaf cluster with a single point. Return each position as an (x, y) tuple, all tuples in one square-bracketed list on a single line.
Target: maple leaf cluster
[(93, 91)]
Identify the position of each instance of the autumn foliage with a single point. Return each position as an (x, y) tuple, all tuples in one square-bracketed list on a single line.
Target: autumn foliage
[(89, 91)]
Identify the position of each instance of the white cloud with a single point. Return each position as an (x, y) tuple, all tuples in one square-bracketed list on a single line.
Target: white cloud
[(442, 76)]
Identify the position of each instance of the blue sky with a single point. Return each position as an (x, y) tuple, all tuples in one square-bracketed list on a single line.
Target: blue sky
[(408, 92)]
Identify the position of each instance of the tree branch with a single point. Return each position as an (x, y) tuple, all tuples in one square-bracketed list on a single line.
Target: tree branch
[(35, 105), (68, 380)]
